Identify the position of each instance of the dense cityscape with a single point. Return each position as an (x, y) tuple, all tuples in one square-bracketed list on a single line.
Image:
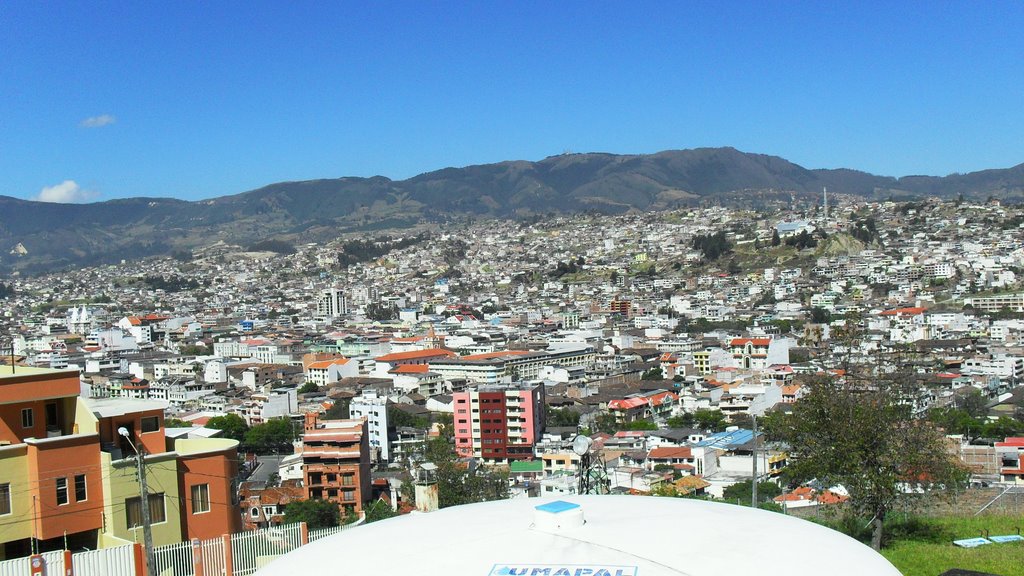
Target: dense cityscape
[(345, 382), (511, 289)]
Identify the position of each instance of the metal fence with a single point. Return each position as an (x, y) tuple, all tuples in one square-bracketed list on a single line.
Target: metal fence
[(118, 561), (239, 554), (23, 567), (173, 560), (250, 551)]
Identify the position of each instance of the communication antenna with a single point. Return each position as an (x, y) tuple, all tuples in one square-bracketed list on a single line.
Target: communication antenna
[(581, 446)]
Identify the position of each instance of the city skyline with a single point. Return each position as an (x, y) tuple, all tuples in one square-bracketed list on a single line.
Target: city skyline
[(219, 102)]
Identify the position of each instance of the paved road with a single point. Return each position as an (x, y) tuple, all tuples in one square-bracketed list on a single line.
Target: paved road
[(268, 465)]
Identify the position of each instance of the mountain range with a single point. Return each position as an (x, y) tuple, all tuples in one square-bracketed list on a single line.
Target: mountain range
[(47, 236)]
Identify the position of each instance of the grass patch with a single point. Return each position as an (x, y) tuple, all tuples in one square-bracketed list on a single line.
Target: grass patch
[(923, 546), (931, 559)]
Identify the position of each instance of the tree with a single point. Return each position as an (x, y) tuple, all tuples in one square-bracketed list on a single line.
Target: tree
[(820, 315), (742, 419), (640, 425), (606, 422), (740, 491), (400, 418), (975, 404), (654, 373), (956, 421), (232, 425), (338, 410), (309, 388), (315, 513), (559, 417), (194, 350), (456, 483), (175, 423), (1003, 427), (379, 510), (682, 421), (712, 420), (272, 436), (775, 238), (712, 245), (859, 432)]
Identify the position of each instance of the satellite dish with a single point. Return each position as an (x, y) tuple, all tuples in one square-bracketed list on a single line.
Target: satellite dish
[(581, 444)]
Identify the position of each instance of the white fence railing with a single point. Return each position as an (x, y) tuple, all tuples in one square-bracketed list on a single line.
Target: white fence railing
[(173, 560), (248, 552), (23, 567), (319, 533), (118, 561)]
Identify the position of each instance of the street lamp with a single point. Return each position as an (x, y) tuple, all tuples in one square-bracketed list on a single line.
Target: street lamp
[(147, 530)]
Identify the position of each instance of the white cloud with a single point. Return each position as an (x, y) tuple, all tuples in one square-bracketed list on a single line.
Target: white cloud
[(98, 121), (67, 192)]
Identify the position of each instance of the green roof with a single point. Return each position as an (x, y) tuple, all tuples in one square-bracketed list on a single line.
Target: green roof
[(527, 466)]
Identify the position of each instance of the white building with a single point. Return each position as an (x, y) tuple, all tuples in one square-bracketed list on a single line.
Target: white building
[(374, 408), (331, 303)]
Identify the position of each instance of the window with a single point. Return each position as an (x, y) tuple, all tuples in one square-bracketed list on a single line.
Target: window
[(80, 491), (200, 498), (347, 479), (151, 424), (5, 498), (27, 419), (255, 512), (348, 495), (134, 510), (62, 491)]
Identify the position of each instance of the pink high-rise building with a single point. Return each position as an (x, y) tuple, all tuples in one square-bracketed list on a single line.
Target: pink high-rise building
[(498, 424)]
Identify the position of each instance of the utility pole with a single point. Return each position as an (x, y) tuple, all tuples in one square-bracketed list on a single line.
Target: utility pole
[(753, 478), (147, 529)]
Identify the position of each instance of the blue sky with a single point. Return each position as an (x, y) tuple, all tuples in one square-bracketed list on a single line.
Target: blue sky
[(193, 100)]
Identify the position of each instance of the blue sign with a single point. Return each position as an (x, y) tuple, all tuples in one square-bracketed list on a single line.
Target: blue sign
[(561, 570)]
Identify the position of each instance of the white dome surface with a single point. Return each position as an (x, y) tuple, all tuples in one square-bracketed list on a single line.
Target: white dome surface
[(622, 536)]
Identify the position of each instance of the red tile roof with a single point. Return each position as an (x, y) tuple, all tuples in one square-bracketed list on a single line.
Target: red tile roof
[(411, 369), (668, 452), (325, 364), (753, 341), (905, 311), (416, 354)]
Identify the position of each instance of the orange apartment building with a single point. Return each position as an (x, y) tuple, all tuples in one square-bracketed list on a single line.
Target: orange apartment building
[(67, 476), (336, 462)]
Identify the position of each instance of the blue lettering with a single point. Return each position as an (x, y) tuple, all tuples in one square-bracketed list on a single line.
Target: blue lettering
[(603, 572), (583, 571), (563, 572), (519, 571), (541, 572)]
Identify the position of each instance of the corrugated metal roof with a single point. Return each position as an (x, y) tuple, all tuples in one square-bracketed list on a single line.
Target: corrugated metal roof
[(727, 440)]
